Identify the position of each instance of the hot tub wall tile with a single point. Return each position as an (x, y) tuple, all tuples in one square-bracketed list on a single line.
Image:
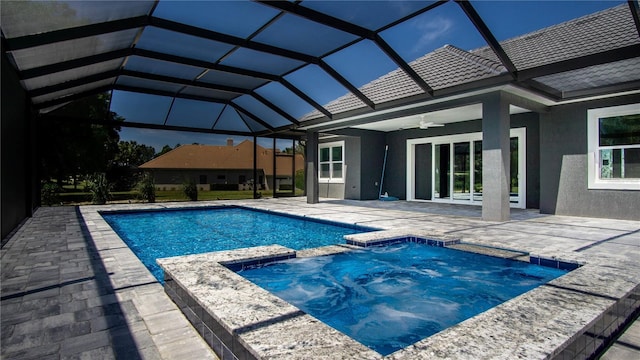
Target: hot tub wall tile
[(212, 286)]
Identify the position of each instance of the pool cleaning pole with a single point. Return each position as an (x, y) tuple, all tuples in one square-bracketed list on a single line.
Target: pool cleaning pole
[(384, 165)]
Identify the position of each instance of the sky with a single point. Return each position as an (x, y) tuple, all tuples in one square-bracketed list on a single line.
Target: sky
[(159, 138), (446, 24)]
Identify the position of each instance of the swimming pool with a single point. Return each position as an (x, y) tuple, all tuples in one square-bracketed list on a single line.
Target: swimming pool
[(165, 233), (392, 296)]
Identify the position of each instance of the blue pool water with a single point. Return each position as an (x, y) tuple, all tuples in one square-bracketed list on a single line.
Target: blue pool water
[(157, 234), (392, 296)]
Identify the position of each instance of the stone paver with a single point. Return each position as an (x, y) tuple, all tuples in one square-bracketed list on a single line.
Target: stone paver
[(59, 300), (627, 346), (70, 287)]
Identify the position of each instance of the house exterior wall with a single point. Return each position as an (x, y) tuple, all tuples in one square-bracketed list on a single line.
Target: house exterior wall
[(372, 158), (354, 168), (396, 175), (563, 166), (423, 172), (167, 178), (364, 155), (19, 183)]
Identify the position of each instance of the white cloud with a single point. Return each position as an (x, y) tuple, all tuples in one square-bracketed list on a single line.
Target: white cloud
[(432, 30)]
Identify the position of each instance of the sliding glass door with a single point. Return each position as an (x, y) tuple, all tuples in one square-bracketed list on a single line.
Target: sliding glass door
[(477, 171), (461, 171), (456, 168), (442, 171)]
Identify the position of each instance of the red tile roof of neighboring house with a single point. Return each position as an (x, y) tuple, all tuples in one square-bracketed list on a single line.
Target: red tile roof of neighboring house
[(228, 157)]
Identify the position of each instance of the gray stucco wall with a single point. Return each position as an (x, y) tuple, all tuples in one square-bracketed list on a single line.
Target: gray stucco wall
[(19, 181), (353, 168), (563, 166), (364, 155), (372, 158), (423, 172)]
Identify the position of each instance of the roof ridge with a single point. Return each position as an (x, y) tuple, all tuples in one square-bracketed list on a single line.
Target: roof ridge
[(492, 66)]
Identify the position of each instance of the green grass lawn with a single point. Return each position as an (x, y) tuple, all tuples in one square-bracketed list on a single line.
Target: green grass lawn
[(83, 198)]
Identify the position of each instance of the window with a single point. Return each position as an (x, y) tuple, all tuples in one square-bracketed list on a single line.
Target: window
[(332, 162), (614, 147)]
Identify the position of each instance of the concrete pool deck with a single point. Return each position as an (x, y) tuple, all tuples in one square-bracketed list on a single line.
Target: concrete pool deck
[(72, 289)]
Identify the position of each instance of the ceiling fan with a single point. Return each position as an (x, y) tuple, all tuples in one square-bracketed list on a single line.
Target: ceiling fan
[(427, 124)]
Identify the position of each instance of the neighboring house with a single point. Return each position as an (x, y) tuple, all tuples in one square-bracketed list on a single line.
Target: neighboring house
[(499, 146), (227, 167)]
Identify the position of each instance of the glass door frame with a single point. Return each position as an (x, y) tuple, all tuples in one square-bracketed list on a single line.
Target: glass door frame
[(518, 201)]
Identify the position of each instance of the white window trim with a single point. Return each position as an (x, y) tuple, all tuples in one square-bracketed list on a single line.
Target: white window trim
[(435, 140), (593, 153), (332, 180)]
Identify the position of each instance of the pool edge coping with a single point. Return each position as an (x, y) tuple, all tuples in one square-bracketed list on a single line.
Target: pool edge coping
[(99, 229), (420, 348)]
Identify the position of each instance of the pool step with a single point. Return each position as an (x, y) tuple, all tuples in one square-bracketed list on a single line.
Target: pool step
[(491, 251)]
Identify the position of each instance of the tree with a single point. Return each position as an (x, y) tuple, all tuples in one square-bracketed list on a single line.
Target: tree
[(301, 148), (147, 188), (73, 144), (100, 188), (165, 149), (130, 153), (123, 171)]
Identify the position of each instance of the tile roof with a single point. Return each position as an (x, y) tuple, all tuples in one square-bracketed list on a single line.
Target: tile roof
[(613, 73), (210, 157), (444, 67), (394, 85), (449, 66), (601, 31)]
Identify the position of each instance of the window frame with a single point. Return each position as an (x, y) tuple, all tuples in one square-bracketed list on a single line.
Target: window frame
[(595, 182), (331, 162)]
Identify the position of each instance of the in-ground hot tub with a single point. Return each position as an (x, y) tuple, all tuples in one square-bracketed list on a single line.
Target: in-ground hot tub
[(389, 297), (565, 317)]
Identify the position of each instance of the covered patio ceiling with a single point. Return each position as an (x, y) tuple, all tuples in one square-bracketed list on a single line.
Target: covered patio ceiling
[(270, 68)]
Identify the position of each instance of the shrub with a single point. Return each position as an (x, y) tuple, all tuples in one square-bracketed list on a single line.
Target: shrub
[(49, 194), (300, 180), (99, 188), (146, 188), (190, 190)]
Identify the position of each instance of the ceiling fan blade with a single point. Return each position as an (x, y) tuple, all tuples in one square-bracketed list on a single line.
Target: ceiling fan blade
[(428, 124)]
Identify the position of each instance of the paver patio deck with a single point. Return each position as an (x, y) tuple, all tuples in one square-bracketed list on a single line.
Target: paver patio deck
[(70, 288)]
